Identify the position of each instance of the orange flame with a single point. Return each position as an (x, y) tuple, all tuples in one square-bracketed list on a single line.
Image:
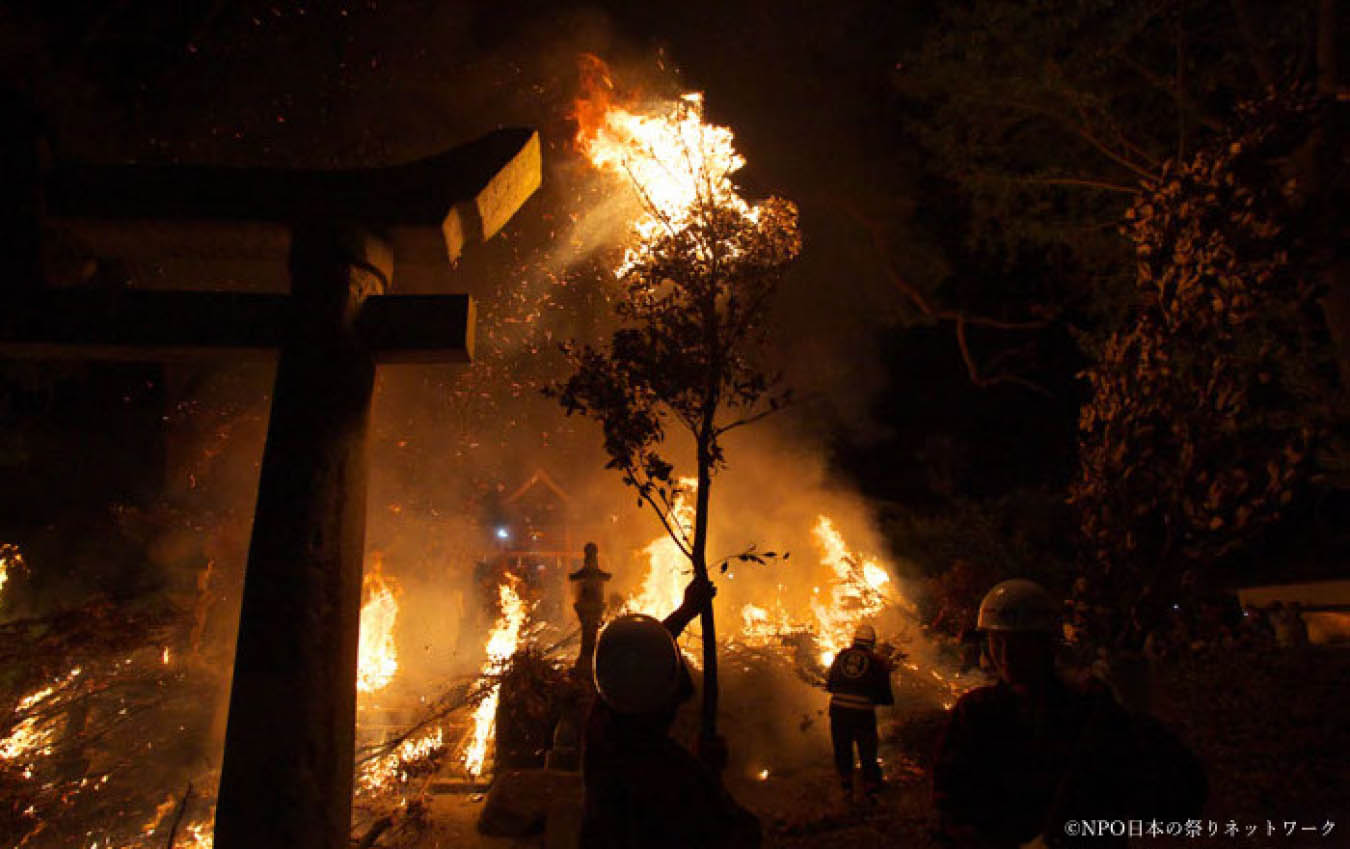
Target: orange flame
[(859, 592), (32, 737), (668, 568), (502, 643), (679, 166), (378, 654), (9, 556)]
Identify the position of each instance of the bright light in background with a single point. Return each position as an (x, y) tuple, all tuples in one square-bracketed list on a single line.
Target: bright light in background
[(503, 533)]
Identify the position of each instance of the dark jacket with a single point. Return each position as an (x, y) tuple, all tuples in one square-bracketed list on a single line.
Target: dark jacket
[(1011, 775), (859, 679), (645, 791)]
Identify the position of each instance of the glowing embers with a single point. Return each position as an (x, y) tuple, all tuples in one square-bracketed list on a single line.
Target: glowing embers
[(501, 644), (396, 767), (34, 733), (379, 610)]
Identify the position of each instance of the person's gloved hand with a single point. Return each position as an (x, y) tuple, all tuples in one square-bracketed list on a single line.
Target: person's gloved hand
[(698, 593), (712, 752)]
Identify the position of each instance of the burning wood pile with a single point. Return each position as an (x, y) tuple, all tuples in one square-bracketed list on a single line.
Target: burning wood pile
[(110, 739), (100, 734)]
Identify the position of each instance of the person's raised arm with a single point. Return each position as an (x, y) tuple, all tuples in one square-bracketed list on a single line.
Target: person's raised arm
[(698, 594)]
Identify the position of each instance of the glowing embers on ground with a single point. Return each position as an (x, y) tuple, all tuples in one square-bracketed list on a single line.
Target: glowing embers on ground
[(193, 835), (395, 767), (34, 733), (502, 643), (379, 610)]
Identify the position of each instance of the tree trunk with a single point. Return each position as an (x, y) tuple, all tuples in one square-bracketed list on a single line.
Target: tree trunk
[(1322, 162), (708, 718)]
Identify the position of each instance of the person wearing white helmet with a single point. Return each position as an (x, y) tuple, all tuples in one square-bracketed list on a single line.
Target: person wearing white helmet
[(642, 789), (859, 679), (1022, 757)]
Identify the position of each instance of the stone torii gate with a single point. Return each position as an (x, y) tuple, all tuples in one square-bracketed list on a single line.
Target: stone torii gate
[(286, 779)]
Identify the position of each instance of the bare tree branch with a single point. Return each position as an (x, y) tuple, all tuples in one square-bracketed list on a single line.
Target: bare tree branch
[(1081, 182), (961, 319)]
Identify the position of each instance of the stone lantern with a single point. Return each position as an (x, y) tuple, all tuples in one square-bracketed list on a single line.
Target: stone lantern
[(588, 594)]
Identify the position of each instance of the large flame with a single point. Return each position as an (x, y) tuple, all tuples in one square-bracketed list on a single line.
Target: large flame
[(678, 165), (859, 591), (668, 568), (501, 644), (378, 653)]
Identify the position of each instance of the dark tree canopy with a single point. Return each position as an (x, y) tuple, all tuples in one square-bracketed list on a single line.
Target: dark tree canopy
[(1210, 410)]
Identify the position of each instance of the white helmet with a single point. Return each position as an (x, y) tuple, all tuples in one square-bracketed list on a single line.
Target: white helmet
[(865, 635), (1018, 605), (637, 664)]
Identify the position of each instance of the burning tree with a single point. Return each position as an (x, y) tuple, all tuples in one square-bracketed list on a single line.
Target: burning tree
[(696, 285)]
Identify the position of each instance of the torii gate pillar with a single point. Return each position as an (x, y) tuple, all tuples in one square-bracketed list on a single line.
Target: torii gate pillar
[(302, 597)]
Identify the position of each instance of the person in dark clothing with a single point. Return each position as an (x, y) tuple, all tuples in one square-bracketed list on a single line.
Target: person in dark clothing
[(1024, 756), (642, 789), (858, 681)]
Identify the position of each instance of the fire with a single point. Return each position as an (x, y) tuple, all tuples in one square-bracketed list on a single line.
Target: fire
[(501, 644), (679, 165), (200, 835), (378, 653), (667, 566), (162, 810), (33, 735), (385, 771), (761, 626), (859, 591), (9, 556)]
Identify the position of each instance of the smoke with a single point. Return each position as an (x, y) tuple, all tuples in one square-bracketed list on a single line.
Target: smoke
[(448, 443)]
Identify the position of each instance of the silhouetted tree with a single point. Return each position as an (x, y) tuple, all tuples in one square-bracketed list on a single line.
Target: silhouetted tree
[(693, 310)]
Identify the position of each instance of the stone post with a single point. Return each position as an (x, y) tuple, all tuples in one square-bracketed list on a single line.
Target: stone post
[(286, 779)]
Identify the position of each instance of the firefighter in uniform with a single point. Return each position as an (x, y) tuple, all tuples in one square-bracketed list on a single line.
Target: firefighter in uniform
[(1024, 759), (642, 789), (858, 681)]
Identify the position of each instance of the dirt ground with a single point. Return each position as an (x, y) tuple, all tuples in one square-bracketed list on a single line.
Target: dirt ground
[(1271, 729)]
